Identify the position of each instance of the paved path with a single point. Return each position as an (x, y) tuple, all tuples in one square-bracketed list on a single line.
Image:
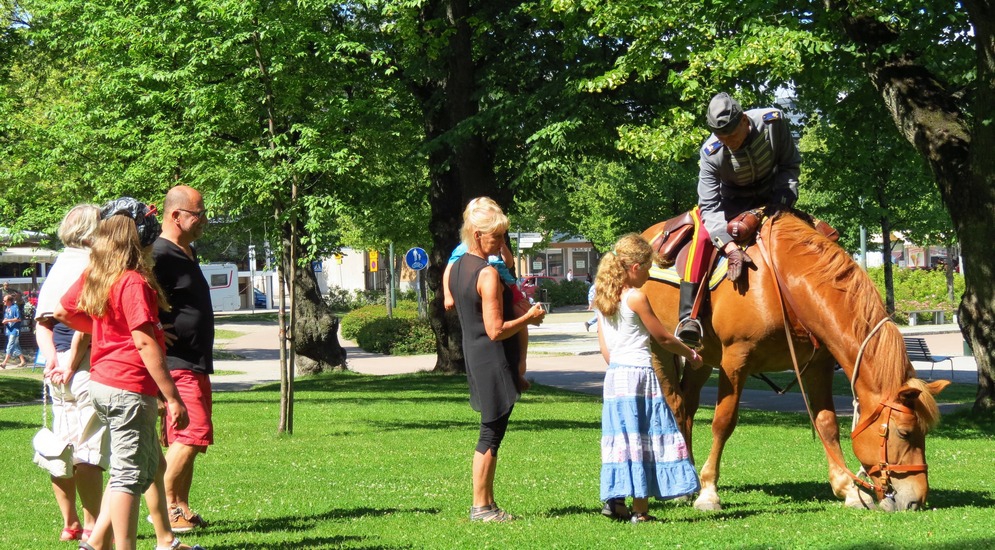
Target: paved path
[(562, 354)]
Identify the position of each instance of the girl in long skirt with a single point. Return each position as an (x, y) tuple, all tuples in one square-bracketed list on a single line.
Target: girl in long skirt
[(643, 453)]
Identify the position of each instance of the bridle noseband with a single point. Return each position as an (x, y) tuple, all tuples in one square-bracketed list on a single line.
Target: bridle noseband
[(883, 488)]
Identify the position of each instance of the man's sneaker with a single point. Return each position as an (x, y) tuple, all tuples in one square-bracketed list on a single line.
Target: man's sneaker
[(178, 522)]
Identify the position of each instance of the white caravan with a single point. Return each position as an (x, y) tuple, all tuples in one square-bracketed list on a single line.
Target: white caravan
[(223, 280)]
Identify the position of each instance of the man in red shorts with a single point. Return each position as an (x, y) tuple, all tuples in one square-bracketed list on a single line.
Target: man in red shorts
[(189, 344)]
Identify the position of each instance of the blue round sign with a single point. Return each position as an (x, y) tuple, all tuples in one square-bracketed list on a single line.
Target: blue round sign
[(416, 258)]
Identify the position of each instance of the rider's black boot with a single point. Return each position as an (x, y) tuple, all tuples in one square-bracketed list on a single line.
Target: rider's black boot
[(688, 330)]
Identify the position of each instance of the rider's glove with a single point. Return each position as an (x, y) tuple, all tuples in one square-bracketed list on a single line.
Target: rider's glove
[(738, 260)]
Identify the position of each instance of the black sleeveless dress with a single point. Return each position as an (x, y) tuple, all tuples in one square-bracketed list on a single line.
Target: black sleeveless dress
[(491, 367)]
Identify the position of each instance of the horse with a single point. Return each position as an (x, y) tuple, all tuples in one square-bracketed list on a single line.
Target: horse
[(836, 301)]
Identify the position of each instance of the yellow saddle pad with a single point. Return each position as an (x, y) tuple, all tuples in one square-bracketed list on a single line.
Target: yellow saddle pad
[(669, 274)]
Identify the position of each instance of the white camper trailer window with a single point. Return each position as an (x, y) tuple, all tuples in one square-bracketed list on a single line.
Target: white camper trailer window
[(219, 279)]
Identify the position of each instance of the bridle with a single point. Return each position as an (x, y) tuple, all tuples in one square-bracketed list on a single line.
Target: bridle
[(883, 488), (864, 479)]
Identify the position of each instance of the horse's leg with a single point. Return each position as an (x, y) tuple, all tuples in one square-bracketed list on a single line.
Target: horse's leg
[(665, 365), (726, 416), (691, 383), (819, 386)]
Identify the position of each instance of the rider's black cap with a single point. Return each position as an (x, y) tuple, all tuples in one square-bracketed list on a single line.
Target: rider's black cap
[(724, 114)]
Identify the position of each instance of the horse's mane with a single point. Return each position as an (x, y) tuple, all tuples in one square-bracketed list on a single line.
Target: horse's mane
[(927, 411), (884, 357)]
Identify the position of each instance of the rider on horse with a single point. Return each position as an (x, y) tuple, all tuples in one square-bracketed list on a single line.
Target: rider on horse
[(749, 161)]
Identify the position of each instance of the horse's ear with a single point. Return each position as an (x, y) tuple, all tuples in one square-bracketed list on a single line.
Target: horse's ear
[(937, 386), (907, 396)]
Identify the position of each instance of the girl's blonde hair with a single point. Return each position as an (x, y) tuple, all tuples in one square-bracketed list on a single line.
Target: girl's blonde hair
[(484, 215), (79, 226), (115, 250), (631, 249)]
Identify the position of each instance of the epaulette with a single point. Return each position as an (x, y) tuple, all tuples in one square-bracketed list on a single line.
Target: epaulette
[(772, 116), (712, 147)]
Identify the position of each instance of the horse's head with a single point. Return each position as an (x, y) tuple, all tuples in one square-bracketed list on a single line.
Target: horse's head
[(890, 443)]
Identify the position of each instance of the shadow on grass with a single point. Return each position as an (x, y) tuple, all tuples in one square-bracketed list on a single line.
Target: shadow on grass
[(516, 425), (795, 491), (311, 542), (305, 523), (962, 544), (964, 424), (9, 425), (657, 508), (955, 498), (751, 417)]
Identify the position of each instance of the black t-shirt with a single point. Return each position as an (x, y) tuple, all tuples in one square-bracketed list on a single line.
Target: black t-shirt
[(62, 336), (192, 316)]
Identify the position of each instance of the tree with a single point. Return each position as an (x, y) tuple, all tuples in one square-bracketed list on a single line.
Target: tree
[(908, 62), (931, 64), (273, 110)]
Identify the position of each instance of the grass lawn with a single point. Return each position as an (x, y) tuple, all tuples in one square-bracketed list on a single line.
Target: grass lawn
[(384, 462)]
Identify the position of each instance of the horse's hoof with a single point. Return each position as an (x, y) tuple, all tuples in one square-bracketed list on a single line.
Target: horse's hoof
[(707, 505)]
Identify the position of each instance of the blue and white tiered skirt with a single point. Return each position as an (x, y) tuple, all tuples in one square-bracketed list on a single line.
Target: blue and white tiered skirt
[(643, 453)]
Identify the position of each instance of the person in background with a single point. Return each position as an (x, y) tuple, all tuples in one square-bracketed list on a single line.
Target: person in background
[(643, 453), (488, 324), (190, 344), (590, 307), (67, 373), (12, 327), (570, 275)]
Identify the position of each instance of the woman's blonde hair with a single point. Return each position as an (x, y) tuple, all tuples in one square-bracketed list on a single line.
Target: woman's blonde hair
[(79, 226), (484, 215), (115, 250), (631, 249)]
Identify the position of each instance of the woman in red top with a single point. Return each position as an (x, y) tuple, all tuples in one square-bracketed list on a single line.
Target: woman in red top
[(117, 300)]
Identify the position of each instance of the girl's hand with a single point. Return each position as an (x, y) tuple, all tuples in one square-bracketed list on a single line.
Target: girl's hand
[(695, 360)]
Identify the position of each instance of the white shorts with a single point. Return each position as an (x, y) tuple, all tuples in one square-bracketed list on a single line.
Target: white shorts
[(74, 419)]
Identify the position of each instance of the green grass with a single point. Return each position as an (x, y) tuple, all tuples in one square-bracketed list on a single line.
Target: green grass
[(20, 385), (223, 334), (384, 462)]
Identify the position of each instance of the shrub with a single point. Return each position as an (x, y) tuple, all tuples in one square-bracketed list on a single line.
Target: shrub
[(566, 293), (340, 299), (919, 289), (402, 334)]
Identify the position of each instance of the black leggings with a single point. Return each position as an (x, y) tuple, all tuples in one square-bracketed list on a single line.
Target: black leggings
[(491, 434)]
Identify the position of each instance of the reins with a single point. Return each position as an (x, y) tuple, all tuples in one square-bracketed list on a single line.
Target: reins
[(882, 489)]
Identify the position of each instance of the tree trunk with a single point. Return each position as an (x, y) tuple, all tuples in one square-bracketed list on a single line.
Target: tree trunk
[(316, 335), (461, 165), (928, 116)]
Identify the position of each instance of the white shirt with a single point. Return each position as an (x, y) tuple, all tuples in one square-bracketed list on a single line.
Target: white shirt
[(626, 337)]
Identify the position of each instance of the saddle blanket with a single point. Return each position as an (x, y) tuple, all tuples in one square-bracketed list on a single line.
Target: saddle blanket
[(669, 275)]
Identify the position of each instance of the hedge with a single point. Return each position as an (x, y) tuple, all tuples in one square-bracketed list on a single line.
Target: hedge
[(402, 334)]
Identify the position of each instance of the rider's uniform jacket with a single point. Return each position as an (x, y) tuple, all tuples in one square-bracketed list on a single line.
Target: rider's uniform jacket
[(764, 170)]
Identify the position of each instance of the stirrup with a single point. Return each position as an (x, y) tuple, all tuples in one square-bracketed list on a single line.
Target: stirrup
[(693, 326)]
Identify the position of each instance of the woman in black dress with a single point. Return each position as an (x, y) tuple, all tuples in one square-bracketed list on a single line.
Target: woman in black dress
[(483, 303)]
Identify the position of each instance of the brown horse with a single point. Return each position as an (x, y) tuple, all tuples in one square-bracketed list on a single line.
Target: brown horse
[(836, 301)]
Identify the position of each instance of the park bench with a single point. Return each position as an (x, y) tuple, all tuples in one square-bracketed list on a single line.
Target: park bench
[(917, 350)]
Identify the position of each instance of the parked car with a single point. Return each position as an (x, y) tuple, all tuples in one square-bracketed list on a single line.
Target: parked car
[(258, 299), (530, 283)]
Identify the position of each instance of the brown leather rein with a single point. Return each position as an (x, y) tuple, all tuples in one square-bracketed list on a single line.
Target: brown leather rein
[(882, 489)]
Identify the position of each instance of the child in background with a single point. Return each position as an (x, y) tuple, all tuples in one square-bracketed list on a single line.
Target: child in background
[(643, 453), (519, 301)]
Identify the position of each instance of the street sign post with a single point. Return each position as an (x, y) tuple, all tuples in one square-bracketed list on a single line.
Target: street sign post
[(417, 259)]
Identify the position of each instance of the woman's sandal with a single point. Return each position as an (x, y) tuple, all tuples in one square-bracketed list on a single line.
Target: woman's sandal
[(642, 518), (615, 509), (490, 513), (177, 545), (69, 534)]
